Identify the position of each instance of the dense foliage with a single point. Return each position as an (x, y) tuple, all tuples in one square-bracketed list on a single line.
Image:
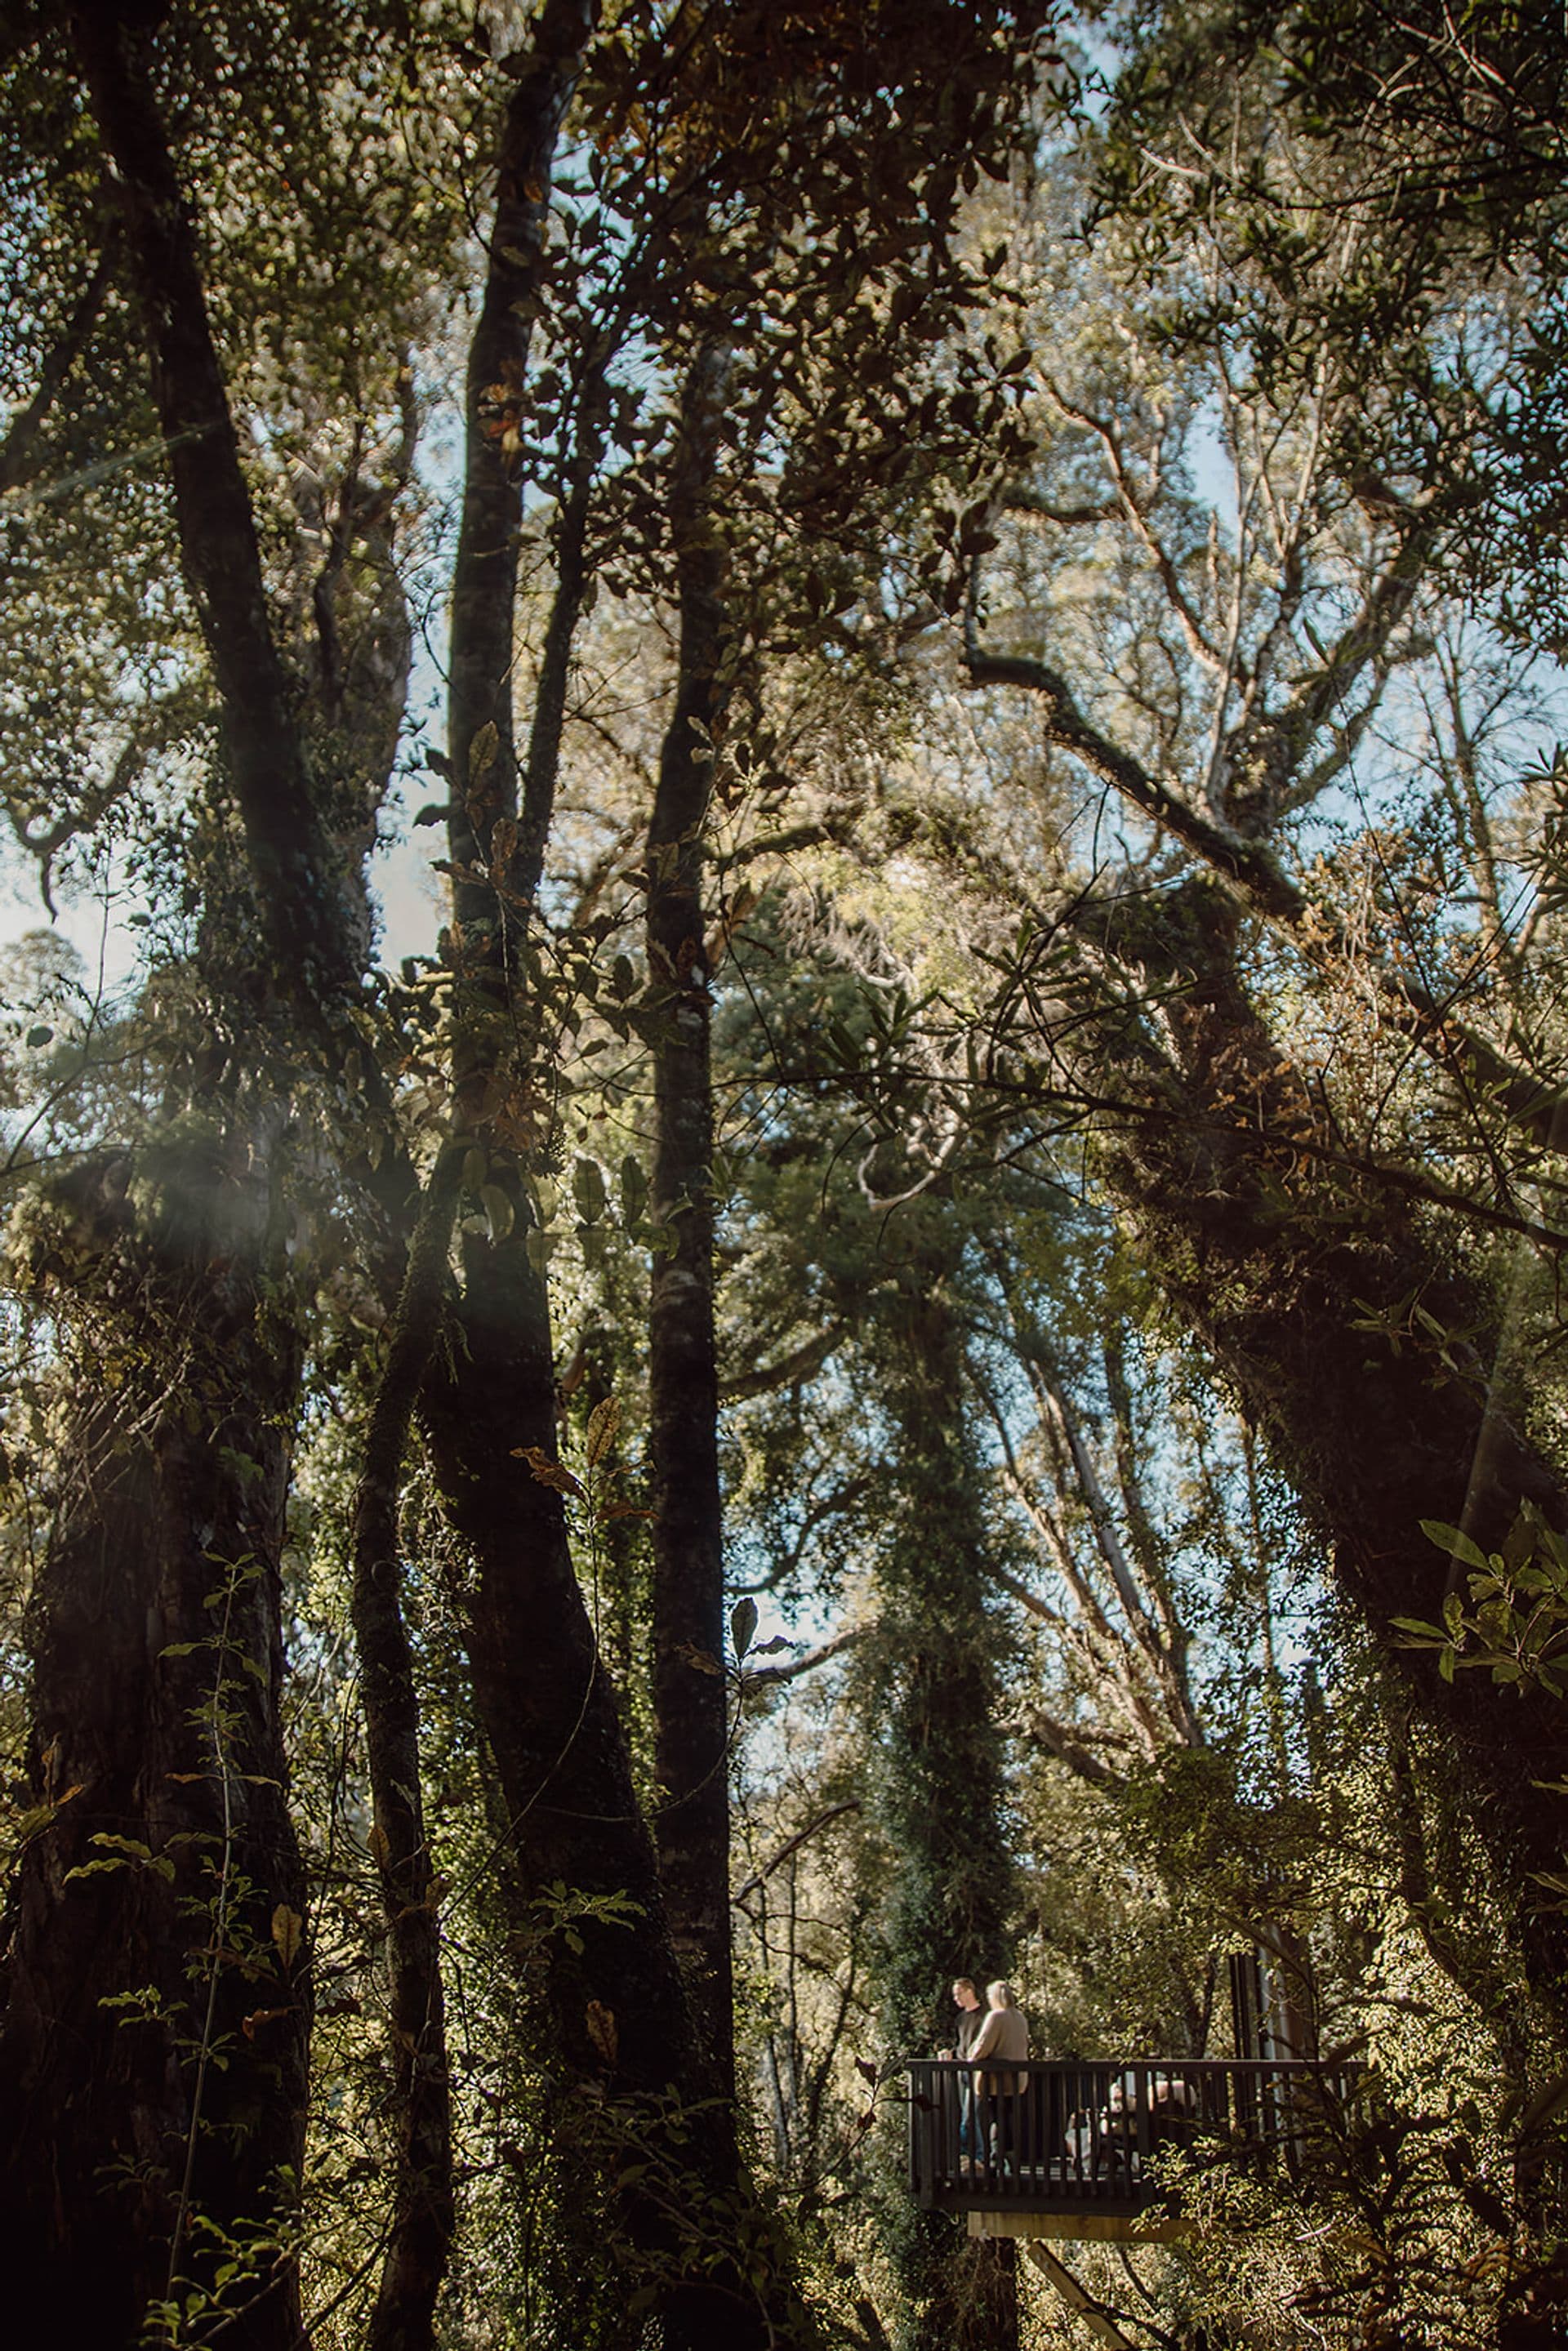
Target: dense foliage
[(912, 1327)]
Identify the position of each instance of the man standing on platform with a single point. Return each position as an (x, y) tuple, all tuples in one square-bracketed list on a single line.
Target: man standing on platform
[(971, 2017)]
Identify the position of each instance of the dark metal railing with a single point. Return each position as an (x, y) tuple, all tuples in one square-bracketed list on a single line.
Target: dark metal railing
[(1054, 2136)]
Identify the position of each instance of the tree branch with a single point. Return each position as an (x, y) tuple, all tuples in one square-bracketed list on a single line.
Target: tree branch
[(1264, 890), (790, 1371), (793, 1844), (810, 1660), (1251, 868), (16, 449)]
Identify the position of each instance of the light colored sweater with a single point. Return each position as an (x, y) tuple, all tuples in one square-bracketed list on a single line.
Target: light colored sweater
[(1005, 2034)]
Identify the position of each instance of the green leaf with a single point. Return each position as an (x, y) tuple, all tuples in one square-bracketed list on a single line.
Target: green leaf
[(497, 1207), (1454, 1541), (742, 1626), (633, 1191), (588, 1190)]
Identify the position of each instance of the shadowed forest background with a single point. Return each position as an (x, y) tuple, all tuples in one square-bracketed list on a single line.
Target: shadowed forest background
[(920, 1330)]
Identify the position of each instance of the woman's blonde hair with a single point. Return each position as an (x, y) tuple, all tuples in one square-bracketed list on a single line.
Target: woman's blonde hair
[(1001, 1995)]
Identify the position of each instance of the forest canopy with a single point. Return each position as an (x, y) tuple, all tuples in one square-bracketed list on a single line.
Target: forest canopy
[(784, 1095)]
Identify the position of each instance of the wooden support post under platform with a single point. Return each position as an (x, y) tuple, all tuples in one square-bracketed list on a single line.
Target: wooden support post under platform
[(1032, 2229), (1153, 2228), (1083, 2304)]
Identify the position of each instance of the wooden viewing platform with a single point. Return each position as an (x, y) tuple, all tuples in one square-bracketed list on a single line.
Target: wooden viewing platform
[(1072, 2148)]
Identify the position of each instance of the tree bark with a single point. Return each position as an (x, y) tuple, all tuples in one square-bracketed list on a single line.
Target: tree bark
[(690, 1689), (1364, 1355), (932, 1664), (423, 2199), (157, 2012), (299, 879)]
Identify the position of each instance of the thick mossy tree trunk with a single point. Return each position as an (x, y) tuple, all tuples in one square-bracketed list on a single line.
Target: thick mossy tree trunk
[(690, 1690), (156, 2021), (934, 1689), (581, 1864), (1364, 1353), (618, 2013)]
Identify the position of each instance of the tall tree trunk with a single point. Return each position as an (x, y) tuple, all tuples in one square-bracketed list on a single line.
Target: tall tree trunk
[(422, 2198), (153, 2045), (312, 924), (933, 1695), (620, 2017), (619, 2021), (157, 2012), (1366, 1357), (690, 1691), (481, 727)]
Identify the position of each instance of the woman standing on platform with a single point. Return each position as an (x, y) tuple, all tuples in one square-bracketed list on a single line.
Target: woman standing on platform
[(1004, 2034)]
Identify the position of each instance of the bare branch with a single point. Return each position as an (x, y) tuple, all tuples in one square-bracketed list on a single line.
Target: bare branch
[(792, 1845), (810, 1660), (1252, 868), (790, 1371), (1159, 555)]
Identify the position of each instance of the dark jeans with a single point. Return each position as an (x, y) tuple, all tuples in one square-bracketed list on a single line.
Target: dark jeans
[(998, 2111)]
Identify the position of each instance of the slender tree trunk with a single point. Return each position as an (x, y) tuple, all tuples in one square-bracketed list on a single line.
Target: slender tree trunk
[(690, 1691), (481, 730), (423, 2201), (1365, 1358), (310, 919), (157, 2010)]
